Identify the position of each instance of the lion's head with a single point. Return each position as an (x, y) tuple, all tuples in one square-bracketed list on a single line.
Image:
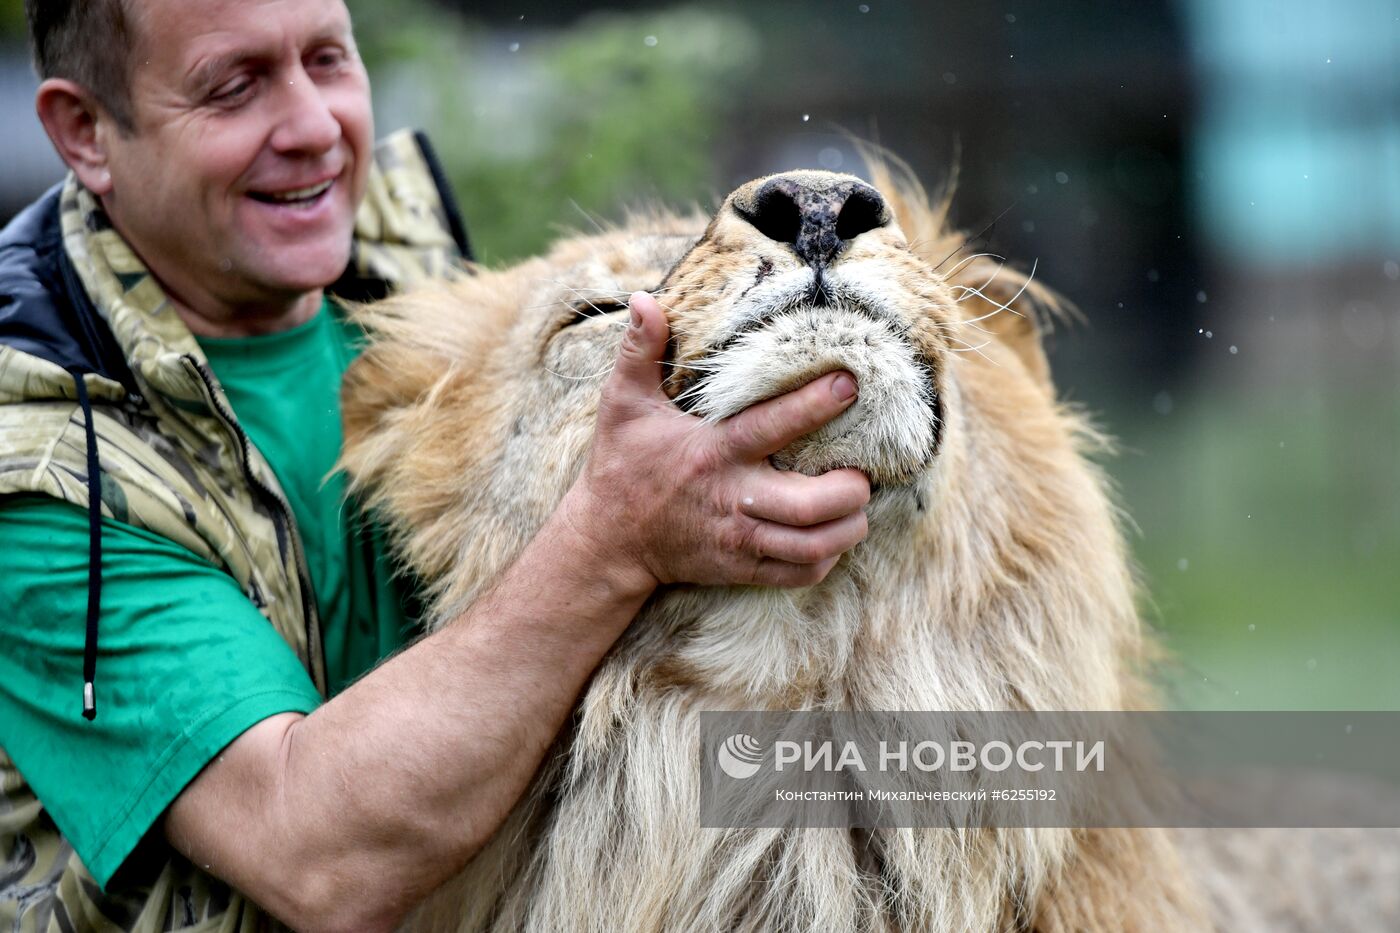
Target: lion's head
[(994, 576), (472, 411)]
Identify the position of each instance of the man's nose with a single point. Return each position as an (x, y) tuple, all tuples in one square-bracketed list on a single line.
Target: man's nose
[(307, 122), (815, 220)]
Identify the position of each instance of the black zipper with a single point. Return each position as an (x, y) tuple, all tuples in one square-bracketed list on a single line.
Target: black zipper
[(284, 511)]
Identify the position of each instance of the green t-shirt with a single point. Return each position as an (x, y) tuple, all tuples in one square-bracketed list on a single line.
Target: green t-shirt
[(185, 662), (285, 390)]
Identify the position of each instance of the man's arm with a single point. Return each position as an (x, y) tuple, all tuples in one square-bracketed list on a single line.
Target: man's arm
[(346, 818)]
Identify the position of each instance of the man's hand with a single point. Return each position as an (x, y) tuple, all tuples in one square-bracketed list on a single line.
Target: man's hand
[(683, 501)]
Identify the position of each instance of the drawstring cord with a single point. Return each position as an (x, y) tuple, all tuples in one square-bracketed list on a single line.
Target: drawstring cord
[(94, 605)]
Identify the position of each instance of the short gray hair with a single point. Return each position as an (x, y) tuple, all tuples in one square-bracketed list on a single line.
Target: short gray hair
[(85, 41)]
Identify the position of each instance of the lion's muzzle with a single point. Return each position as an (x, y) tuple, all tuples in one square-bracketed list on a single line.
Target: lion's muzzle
[(814, 217)]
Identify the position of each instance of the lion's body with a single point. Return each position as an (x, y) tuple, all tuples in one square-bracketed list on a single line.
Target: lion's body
[(994, 577)]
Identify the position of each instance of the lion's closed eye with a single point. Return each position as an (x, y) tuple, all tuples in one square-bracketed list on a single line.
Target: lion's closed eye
[(587, 309)]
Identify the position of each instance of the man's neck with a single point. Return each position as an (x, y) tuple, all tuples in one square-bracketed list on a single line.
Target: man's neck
[(250, 321)]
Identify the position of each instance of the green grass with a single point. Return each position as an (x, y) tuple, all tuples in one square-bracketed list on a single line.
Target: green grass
[(1270, 542)]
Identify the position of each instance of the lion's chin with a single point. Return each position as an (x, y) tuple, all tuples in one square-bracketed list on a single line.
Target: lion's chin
[(891, 429)]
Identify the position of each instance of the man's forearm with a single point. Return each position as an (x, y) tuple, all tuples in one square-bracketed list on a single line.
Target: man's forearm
[(394, 784), (346, 818)]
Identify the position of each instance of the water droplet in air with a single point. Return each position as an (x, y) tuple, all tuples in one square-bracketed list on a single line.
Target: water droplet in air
[(515, 46), (1251, 626), (649, 41), (1234, 349), (806, 117), (1201, 297), (1011, 17), (1183, 565), (864, 8), (1062, 177)]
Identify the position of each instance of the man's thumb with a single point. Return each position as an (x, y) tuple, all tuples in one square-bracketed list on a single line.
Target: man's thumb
[(639, 357)]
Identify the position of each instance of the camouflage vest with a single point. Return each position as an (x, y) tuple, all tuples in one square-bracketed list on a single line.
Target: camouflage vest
[(174, 461)]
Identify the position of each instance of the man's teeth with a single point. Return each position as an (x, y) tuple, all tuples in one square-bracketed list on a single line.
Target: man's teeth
[(301, 194)]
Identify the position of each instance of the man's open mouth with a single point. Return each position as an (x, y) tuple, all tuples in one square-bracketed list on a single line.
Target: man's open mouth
[(299, 197)]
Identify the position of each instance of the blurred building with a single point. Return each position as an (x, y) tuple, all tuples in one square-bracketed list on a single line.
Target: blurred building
[(1297, 153)]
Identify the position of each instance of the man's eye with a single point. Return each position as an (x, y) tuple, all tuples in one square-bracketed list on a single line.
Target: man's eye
[(326, 59), (232, 91)]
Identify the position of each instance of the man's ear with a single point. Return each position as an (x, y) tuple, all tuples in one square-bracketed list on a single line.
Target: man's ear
[(77, 124)]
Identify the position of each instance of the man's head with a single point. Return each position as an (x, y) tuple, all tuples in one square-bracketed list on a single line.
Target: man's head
[(229, 140)]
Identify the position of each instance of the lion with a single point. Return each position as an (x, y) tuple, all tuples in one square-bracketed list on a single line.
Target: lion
[(995, 575)]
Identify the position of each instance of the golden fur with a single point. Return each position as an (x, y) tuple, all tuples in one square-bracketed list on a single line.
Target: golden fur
[(994, 576)]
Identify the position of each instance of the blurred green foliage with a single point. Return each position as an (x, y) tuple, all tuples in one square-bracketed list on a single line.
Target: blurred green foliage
[(12, 21), (547, 130)]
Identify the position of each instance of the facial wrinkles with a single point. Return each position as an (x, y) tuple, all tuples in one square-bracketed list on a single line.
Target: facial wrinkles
[(209, 49), (185, 51)]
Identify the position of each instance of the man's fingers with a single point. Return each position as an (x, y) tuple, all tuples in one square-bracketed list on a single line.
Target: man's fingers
[(810, 545), (770, 426), (638, 367), (780, 573), (795, 499)]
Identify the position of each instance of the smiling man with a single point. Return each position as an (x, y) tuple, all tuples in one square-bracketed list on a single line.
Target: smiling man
[(198, 725)]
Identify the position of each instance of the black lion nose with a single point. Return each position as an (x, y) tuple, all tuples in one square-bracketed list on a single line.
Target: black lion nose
[(814, 220)]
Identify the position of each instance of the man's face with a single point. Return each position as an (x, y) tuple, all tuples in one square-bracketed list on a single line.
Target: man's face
[(253, 140)]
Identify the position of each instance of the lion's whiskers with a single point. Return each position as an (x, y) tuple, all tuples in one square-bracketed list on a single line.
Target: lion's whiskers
[(598, 375), (969, 291), (975, 256)]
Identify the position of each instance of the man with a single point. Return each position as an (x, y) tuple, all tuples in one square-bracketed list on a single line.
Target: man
[(167, 409)]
